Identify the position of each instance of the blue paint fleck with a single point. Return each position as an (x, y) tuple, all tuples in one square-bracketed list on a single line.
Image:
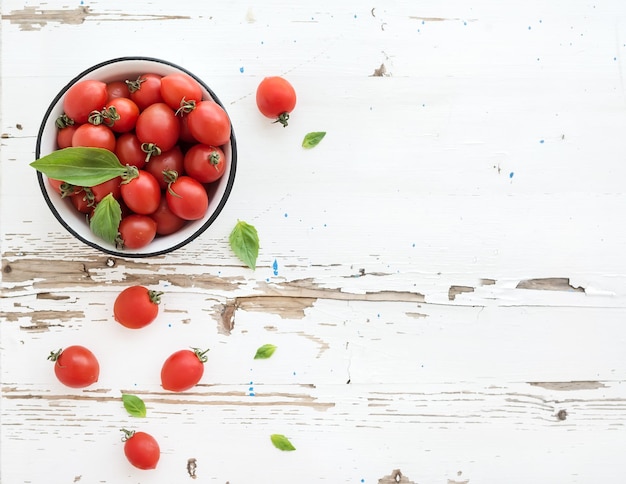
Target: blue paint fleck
[(286, 215), (541, 141), (251, 389), (614, 58), (262, 42), (325, 225), (511, 175), (251, 394), (362, 480), (413, 245), (275, 267), (464, 23), (267, 279), (355, 15), (169, 325), (529, 27), (294, 373), (241, 69)]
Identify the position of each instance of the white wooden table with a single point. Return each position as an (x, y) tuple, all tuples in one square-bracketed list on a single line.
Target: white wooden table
[(444, 275)]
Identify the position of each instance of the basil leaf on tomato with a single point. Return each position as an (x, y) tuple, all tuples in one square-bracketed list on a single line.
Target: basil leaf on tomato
[(106, 219), (80, 166), (244, 242)]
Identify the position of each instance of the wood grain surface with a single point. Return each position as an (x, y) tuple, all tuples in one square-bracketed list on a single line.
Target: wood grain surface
[(443, 275)]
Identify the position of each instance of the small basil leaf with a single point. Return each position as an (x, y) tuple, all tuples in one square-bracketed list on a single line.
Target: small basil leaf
[(264, 352), (244, 241), (281, 442), (312, 139), (106, 219), (83, 167), (134, 405)]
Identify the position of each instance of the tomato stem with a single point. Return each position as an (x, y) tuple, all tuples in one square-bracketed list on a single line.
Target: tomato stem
[(63, 121), (127, 434), (150, 149), (54, 355), (185, 107), (130, 173), (170, 177), (282, 119), (201, 354), (135, 85), (214, 159), (155, 296)]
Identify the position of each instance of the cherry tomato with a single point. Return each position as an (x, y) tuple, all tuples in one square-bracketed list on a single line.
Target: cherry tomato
[(129, 152), (64, 136), (141, 449), (157, 125), (209, 123), (187, 198), (276, 99), (145, 90), (117, 89), (112, 186), (75, 366), (142, 194), (94, 136), (136, 306), (183, 370), (167, 222), (82, 202), (137, 231), (205, 163), (180, 91), (172, 160), (124, 116), (83, 98), (64, 189)]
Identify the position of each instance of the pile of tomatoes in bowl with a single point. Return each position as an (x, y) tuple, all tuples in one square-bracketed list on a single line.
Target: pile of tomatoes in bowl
[(171, 132)]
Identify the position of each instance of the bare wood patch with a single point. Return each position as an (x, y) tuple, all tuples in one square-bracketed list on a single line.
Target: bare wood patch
[(568, 385), (487, 282), (396, 477), (67, 273), (454, 291), (287, 307), (549, 284), (34, 18), (416, 315)]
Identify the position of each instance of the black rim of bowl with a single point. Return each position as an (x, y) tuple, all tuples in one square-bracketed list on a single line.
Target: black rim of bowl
[(203, 227)]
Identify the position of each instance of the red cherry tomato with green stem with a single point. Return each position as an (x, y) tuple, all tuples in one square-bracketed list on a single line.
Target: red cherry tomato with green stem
[(180, 92), (276, 99), (145, 90), (157, 128), (136, 306), (75, 366), (83, 98), (171, 160), (142, 193), (120, 114), (183, 369), (136, 231), (205, 163), (141, 449)]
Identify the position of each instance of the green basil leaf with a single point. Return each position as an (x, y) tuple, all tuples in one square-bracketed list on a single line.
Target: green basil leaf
[(106, 219), (83, 167), (264, 352), (312, 139), (281, 442), (244, 241), (134, 405)]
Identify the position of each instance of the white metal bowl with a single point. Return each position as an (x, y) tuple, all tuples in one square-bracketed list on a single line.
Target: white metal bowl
[(74, 221)]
